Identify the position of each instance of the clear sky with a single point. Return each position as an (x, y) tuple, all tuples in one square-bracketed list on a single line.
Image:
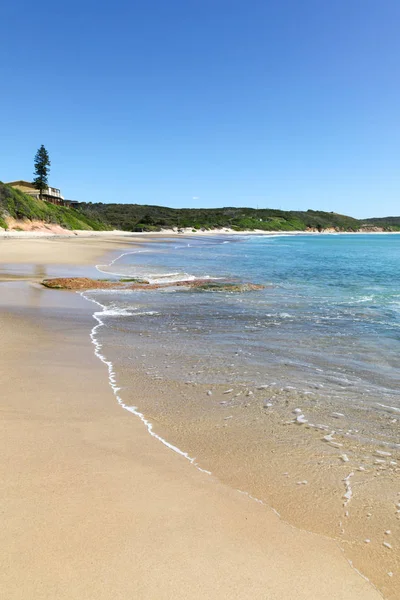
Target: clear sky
[(290, 104)]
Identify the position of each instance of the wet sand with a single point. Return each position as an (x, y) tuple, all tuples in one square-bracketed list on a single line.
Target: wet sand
[(287, 466), (93, 506)]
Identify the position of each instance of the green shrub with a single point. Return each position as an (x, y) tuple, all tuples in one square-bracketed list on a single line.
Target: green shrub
[(18, 205)]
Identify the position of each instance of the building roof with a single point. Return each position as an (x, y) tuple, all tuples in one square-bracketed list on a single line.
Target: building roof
[(21, 182), (48, 191)]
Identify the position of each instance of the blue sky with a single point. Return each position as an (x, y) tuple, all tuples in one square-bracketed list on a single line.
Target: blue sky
[(290, 104)]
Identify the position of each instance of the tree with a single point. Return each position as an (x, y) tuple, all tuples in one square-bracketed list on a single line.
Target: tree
[(42, 169)]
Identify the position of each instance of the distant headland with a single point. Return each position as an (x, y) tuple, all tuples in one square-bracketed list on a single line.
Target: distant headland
[(22, 209)]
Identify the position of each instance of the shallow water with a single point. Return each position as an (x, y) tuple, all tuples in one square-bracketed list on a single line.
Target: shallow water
[(290, 393), (327, 323)]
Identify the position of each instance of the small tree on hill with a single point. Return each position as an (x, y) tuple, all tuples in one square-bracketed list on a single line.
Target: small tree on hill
[(42, 169)]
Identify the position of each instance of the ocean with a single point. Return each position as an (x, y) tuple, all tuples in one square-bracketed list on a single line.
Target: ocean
[(328, 318), (290, 393)]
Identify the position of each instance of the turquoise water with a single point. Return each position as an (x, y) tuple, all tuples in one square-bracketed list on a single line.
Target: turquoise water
[(327, 324)]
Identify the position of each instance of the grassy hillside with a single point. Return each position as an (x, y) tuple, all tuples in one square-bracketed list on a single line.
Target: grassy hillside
[(141, 217), (138, 217), (389, 223), (18, 205)]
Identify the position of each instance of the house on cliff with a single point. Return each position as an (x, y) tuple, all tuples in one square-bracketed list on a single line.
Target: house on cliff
[(51, 194)]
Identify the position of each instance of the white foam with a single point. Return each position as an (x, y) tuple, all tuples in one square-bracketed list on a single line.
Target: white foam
[(98, 267), (349, 492), (116, 312), (382, 453), (170, 277), (301, 420), (152, 278), (390, 409), (112, 381)]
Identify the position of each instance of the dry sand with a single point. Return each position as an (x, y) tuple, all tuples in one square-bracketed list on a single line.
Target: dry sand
[(50, 250), (95, 508)]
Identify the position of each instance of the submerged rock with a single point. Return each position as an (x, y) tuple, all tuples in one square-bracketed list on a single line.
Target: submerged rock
[(202, 285), (85, 283), (225, 286)]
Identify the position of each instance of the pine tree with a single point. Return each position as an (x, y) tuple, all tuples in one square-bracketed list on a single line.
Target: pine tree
[(42, 169)]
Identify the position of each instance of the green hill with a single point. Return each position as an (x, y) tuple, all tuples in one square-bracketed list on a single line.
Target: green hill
[(141, 217), (18, 205), (387, 223)]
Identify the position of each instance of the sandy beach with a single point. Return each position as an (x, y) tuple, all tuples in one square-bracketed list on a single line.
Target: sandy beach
[(96, 508)]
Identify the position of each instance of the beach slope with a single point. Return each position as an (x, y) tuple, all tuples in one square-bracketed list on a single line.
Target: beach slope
[(95, 508)]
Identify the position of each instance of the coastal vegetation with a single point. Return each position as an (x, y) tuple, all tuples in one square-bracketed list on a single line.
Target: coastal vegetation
[(388, 223), (142, 217), (19, 206)]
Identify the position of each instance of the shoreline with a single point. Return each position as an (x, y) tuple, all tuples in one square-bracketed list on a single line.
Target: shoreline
[(115, 389), (233, 558), (184, 424), (187, 232)]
